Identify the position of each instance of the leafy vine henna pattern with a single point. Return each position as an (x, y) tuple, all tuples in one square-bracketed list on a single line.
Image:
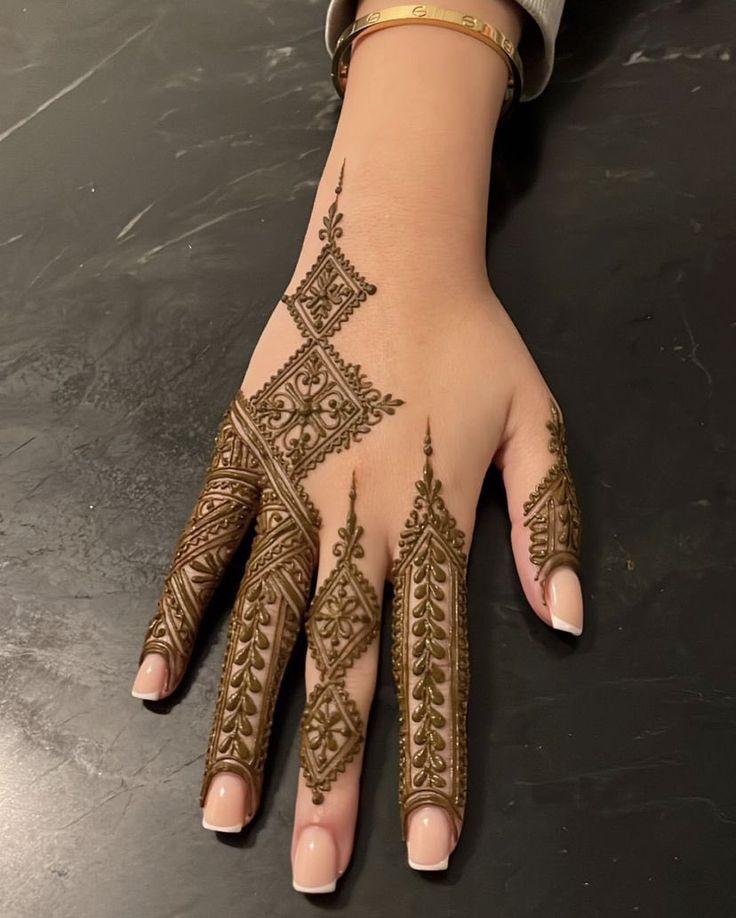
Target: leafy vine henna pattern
[(263, 628), (314, 405), (266, 444), (552, 512), (430, 653), (342, 622)]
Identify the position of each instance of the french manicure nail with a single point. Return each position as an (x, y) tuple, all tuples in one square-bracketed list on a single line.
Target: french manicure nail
[(429, 839), (315, 861), (226, 803), (150, 681), (565, 600)]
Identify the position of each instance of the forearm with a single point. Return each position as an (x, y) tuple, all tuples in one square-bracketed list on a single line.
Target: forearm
[(416, 130)]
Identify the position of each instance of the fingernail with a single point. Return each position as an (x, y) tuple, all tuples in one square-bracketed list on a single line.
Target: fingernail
[(225, 804), (315, 861), (565, 600), (150, 682), (429, 840)]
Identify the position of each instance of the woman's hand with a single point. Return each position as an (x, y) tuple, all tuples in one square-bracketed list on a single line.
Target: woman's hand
[(385, 383)]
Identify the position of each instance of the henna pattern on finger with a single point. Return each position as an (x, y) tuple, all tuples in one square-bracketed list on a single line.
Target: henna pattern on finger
[(430, 653), (316, 404), (552, 512), (342, 622), (263, 628), (227, 503)]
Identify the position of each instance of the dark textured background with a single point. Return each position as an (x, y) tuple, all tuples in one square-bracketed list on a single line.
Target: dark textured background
[(157, 167)]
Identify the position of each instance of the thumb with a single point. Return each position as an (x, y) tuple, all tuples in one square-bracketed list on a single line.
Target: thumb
[(544, 512)]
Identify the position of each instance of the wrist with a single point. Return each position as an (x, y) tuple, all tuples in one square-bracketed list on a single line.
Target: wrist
[(422, 54), (408, 227), (418, 121)]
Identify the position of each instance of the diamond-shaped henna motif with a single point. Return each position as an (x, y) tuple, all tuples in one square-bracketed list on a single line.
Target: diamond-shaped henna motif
[(343, 622), (332, 732), (328, 294), (317, 404)]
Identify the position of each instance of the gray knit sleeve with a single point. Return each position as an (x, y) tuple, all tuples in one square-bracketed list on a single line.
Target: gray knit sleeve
[(536, 48)]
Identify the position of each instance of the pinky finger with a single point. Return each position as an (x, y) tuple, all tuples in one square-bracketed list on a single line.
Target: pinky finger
[(545, 518)]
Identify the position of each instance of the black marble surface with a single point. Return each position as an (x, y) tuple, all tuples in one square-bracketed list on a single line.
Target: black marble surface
[(157, 166)]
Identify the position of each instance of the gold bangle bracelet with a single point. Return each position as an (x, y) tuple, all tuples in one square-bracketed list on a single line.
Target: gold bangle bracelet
[(430, 15)]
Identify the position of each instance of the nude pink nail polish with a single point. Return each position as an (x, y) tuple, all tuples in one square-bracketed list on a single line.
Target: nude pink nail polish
[(315, 861), (150, 681), (565, 600), (227, 804), (429, 839)]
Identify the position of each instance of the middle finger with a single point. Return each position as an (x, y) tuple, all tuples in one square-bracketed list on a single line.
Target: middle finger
[(343, 624)]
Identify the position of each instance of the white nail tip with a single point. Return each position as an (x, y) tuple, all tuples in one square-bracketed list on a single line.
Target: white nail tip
[(208, 825), (147, 696), (561, 625), (327, 888), (441, 866)]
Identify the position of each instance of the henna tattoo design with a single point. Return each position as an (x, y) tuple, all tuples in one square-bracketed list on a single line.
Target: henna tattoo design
[(263, 628), (342, 622), (332, 288), (430, 653), (552, 512), (317, 404), (266, 444), (227, 503)]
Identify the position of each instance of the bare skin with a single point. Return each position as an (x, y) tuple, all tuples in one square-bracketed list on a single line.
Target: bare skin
[(416, 132)]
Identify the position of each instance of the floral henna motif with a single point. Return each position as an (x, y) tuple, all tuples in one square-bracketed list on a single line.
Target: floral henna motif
[(552, 512), (266, 444), (316, 403), (430, 653), (227, 503), (332, 288), (342, 622)]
